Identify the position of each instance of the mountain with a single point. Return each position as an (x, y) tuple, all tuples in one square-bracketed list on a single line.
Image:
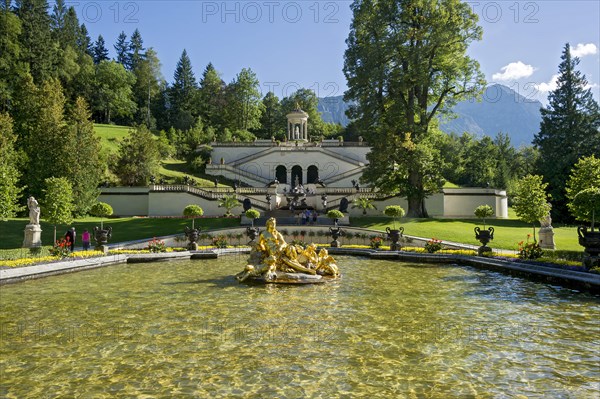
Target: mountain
[(501, 109), (333, 110)]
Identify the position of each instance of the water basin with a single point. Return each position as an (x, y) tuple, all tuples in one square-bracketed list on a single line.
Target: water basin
[(386, 329)]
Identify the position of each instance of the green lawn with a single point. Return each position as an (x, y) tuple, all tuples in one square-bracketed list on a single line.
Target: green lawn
[(124, 229), (110, 136), (173, 171), (508, 232)]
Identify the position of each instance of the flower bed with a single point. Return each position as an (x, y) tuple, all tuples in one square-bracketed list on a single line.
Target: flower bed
[(49, 259)]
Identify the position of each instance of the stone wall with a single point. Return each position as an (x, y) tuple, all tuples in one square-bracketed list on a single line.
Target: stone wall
[(461, 202), (452, 203)]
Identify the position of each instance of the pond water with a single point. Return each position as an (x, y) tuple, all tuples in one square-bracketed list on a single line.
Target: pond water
[(386, 329)]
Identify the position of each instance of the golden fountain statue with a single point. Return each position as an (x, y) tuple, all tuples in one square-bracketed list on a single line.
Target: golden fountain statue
[(272, 260)]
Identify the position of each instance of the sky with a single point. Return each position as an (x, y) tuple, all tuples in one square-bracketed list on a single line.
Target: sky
[(293, 44)]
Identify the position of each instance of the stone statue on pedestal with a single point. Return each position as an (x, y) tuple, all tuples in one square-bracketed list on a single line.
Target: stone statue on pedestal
[(34, 210), (546, 234), (33, 231)]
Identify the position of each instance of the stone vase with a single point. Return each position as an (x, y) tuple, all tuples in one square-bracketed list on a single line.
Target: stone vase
[(252, 233), (335, 232), (102, 236), (484, 236), (590, 240), (394, 236)]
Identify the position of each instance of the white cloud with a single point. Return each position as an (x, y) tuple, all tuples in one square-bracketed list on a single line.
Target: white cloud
[(548, 87), (513, 71), (581, 50)]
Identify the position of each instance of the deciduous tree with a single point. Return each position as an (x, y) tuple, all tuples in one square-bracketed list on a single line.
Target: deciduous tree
[(530, 200), (243, 102), (113, 94), (585, 175), (270, 118), (407, 60), (57, 204)]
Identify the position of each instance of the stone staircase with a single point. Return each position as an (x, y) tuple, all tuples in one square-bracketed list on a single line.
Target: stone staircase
[(285, 218)]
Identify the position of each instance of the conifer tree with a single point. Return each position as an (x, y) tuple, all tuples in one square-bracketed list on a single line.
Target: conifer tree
[(183, 94), (84, 42), (10, 191), (86, 166), (10, 52), (570, 130), (100, 52), (138, 158), (38, 49), (49, 144), (136, 50), (212, 97), (122, 50)]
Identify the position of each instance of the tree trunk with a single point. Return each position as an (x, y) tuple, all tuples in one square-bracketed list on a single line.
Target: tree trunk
[(416, 202), (416, 208)]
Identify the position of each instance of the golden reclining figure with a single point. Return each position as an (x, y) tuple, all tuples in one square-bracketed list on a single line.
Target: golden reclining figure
[(271, 254)]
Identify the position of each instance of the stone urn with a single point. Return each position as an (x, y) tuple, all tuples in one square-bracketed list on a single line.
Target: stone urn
[(252, 233), (193, 235), (336, 233), (590, 240), (484, 236), (102, 236), (394, 236)]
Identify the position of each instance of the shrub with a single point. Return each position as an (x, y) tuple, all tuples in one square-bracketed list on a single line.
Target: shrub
[(220, 241), (252, 214), (484, 211), (335, 214), (376, 242), (394, 211), (530, 250), (61, 248), (433, 245), (156, 246), (193, 211), (101, 210)]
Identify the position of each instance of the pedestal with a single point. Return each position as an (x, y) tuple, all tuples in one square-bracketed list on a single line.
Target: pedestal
[(547, 238), (33, 236)]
